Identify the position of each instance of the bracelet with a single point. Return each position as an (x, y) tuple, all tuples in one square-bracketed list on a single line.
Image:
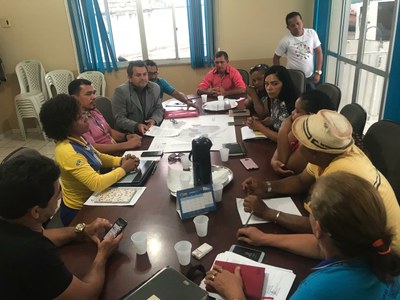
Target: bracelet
[(269, 187), (277, 216)]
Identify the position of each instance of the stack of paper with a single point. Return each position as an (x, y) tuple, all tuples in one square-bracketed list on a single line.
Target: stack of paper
[(248, 134), (284, 204), (277, 282), (116, 196)]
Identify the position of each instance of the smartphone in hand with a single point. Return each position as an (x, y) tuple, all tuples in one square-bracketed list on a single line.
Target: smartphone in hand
[(117, 228)]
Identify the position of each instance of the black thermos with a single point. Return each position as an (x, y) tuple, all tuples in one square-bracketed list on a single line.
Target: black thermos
[(201, 161)]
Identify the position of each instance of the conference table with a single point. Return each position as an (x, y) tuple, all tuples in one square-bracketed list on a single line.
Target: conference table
[(155, 213)]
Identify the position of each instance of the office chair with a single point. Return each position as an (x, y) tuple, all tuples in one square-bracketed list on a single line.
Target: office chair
[(245, 76), (357, 117), (333, 92), (103, 104), (382, 145), (299, 80)]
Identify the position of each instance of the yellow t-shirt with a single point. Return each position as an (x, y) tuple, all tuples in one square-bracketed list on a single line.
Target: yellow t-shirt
[(354, 161), (78, 179)]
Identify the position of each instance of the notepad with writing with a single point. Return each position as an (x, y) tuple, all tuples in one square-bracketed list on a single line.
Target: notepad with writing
[(252, 277)]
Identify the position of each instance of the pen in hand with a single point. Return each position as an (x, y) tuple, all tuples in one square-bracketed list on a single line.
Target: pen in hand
[(248, 219)]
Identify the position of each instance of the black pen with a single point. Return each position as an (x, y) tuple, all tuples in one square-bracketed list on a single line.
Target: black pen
[(155, 168), (248, 220)]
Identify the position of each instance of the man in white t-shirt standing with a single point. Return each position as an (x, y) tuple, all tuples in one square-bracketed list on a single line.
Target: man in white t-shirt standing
[(299, 46)]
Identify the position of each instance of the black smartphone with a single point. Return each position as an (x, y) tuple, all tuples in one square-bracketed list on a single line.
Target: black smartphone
[(116, 229), (253, 254), (152, 153)]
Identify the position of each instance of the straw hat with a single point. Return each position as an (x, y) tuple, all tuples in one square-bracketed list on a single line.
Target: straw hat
[(327, 131)]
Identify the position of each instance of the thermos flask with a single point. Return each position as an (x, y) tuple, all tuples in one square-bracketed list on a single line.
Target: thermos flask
[(201, 161)]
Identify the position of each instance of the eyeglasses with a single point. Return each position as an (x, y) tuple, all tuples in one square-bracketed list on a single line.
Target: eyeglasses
[(152, 73), (263, 67)]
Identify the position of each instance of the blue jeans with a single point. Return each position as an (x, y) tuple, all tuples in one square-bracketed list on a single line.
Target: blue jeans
[(67, 214)]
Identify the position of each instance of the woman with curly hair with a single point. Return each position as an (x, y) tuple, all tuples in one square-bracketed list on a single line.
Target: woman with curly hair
[(64, 121)]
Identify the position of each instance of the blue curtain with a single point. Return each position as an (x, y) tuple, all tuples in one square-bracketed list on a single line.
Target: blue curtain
[(95, 52), (201, 38)]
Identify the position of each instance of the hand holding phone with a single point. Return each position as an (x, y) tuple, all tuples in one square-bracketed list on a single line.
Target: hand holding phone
[(116, 229)]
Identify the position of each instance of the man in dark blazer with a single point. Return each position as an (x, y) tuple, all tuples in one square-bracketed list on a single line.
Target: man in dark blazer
[(136, 104)]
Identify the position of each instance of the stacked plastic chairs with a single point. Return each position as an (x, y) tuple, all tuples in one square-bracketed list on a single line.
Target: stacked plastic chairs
[(97, 79), (30, 74), (57, 82)]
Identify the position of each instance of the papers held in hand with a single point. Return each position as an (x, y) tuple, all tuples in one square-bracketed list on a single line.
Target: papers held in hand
[(138, 177)]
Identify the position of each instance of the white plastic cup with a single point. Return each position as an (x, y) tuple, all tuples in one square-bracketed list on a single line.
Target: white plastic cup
[(218, 188), (220, 98), (204, 98), (139, 240), (224, 152), (183, 251), (220, 103), (201, 223), (185, 162), (185, 180)]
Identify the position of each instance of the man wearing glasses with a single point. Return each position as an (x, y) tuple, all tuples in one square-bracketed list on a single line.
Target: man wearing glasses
[(223, 79), (165, 87)]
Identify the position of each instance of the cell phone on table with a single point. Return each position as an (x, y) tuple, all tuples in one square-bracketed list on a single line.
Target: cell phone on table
[(152, 153), (116, 229), (249, 164), (253, 254)]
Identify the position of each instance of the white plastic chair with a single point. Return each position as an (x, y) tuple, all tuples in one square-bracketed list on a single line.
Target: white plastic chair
[(27, 105), (97, 79), (30, 74), (57, 82)]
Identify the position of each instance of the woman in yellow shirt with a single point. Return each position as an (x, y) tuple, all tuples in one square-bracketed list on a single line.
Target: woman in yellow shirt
[(64, 121)]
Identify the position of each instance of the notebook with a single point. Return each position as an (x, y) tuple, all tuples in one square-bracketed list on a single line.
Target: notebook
[(138, 177), (252, 277), (167, 284)]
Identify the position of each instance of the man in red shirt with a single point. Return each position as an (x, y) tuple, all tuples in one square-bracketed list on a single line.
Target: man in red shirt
[(223, 79)]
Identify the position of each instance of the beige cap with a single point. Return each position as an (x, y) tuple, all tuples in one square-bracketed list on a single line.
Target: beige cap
[(326, 131)]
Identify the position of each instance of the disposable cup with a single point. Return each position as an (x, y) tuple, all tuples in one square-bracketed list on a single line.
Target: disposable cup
[(224, 152), (183, 251), (204, 98), (218, 188), (139, 240), (185, 180), (185, 162), (220, 98), (201, 223)]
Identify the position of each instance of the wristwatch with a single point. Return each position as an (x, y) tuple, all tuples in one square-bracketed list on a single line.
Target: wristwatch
[(79, 228), (318, 72)]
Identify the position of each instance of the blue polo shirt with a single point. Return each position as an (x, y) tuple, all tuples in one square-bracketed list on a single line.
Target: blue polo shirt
[(334, 280), (165, 87)]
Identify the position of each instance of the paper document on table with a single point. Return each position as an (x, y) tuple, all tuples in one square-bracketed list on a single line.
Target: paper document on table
[(277, 283), (214, 126), (162, 132), (249, 134), (284, 204), (173, 104), (116, 196)]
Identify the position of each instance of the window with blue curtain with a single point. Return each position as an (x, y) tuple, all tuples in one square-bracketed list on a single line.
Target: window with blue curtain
[(173, 31), (94, 49), (201, 32)]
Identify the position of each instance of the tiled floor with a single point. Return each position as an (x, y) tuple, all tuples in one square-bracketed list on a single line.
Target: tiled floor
[(10, 142)]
